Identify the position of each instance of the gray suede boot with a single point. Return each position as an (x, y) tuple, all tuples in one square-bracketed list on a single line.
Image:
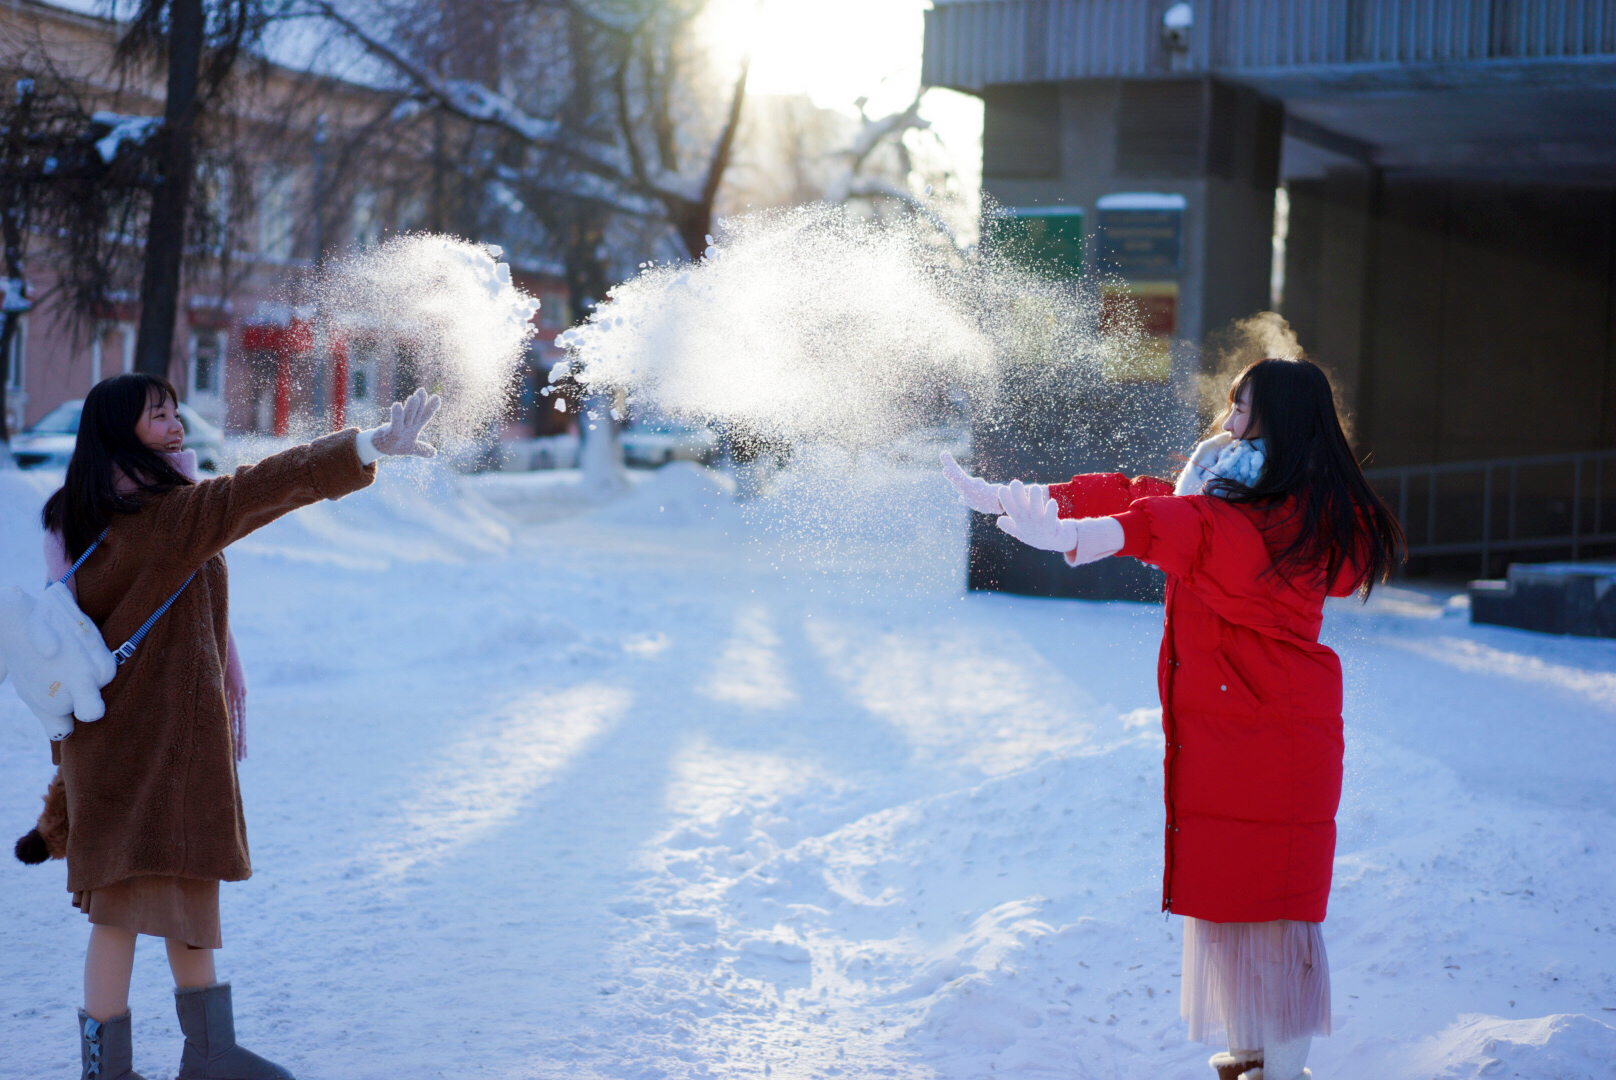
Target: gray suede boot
[(210, 1051), (104, 1048)]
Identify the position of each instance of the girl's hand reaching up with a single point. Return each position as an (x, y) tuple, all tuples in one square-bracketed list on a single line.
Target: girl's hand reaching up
[(401, 434), (978, 494)]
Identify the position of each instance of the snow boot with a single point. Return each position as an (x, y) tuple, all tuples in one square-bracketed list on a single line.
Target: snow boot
[(1229, 1066), (211, 1052), (1283, 1061), (104, 1049)]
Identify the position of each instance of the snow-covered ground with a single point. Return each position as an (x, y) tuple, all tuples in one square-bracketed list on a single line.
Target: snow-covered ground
[(680, 788)]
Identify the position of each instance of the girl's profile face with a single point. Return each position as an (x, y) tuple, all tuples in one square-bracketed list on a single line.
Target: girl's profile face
[(159, 427), (1239, 423)]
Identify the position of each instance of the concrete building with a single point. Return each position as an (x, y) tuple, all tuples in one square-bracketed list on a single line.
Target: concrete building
[(1446, 175)]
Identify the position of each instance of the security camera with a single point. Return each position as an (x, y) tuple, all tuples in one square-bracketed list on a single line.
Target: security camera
[(1176, 23)]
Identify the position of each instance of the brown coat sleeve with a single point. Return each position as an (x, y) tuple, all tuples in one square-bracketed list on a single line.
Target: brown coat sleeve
[(201, 520)]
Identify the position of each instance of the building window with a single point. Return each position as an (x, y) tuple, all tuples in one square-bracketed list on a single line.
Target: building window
[(207, 361), (276, 221)]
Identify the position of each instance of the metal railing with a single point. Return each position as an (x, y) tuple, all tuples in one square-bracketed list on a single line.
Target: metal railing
[(1491, 509)]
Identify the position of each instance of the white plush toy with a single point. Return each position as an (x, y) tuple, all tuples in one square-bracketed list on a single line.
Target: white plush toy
[(55, 657)]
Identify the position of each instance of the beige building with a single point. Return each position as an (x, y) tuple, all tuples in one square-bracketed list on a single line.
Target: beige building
[(243, 356)]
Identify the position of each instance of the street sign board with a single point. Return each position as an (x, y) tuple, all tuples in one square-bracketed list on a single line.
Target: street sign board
[(1140, 233)]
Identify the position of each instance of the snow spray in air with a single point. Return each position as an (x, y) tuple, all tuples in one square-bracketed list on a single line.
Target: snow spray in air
[(815, 326), (848, 352), (444, 313)]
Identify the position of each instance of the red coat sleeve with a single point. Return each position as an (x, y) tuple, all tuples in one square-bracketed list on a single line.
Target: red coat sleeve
[(1218, 553), (1104, 494)]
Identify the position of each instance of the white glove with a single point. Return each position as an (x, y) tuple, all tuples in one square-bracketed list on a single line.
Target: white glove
[(977, 493), (1097, 538), (55, 658), (1032, 517), (1198, 470), (400, 435)]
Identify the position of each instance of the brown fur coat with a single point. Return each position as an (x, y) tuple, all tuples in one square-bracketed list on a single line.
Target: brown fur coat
[(150, 788)]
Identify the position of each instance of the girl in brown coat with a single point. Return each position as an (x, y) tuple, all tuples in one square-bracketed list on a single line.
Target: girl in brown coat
[(152, 807)]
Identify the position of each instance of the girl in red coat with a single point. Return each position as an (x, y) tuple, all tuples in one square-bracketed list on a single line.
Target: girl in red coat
[(1269, 517)]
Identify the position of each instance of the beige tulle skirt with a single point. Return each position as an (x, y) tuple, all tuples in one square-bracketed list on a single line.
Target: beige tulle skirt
[(1250, 985)]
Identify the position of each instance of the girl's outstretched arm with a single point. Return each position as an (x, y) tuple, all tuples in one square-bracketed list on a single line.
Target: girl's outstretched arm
[(1103, 494), (203, 519), (1084, 496)]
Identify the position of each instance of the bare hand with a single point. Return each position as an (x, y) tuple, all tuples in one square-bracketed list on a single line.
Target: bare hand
[(400, 435)]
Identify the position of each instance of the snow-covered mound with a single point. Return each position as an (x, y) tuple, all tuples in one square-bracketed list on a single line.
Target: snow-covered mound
[(416, 511), (22, 494), (1562, 1046), (680, 493)]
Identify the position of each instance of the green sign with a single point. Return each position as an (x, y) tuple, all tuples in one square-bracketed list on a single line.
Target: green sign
[(1045, 238)]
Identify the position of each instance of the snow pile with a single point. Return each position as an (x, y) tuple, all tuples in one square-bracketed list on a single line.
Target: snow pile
[(453, 310), (416, 511), (22, 495), (680, 493), (1485, 1046), (815, 325)]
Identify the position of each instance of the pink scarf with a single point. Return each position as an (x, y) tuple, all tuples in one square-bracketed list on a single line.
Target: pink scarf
[(235, 676)]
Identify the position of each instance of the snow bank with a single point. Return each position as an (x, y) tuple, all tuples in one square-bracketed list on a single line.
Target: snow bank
[(1487, 1046), (22, 494), (678, 494), (416, 511)]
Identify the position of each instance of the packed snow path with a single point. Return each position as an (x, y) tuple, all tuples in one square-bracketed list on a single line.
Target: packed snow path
[(659, 791)]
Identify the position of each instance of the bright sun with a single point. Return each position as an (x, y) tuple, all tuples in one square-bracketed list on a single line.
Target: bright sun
[(837, 51), (833, 50)]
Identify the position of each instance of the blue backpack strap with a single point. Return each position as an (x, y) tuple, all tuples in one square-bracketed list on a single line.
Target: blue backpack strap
[(123, 652), (127, 649), (75, 567)]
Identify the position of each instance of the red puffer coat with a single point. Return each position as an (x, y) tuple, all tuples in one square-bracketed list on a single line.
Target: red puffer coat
[(1251, 702)]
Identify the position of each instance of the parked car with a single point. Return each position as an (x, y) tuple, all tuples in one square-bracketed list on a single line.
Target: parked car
[(48, 443), (654, 441), (545, 452)]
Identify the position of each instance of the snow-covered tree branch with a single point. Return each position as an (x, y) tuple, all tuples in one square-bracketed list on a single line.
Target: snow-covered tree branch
[(646, 157)]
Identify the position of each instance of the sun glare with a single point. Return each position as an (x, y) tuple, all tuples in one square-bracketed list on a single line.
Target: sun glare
[(835, 51), (838, 51)]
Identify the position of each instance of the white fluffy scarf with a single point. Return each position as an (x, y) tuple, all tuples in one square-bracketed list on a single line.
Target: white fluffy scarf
[(1240, 460)]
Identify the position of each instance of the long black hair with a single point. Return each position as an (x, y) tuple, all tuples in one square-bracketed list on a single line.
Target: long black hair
[(1306, 459), (108, 450)]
